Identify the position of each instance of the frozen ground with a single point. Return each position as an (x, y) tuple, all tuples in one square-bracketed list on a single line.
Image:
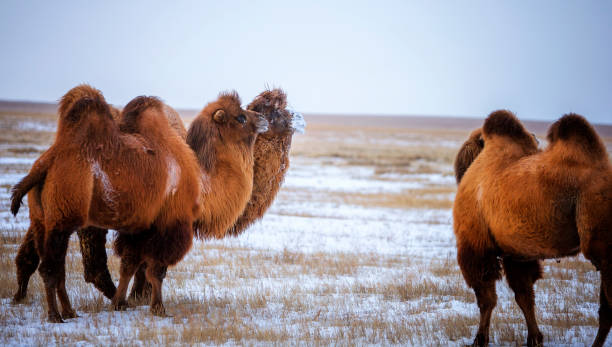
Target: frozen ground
[(318, 269)]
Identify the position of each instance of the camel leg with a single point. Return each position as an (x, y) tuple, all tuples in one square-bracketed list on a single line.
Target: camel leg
[(95, 269), (521, 276), (50, 270), (155, 274), (129, 264), (26, 263), (480, 270), (62, 295), (605, 305), (141, 289)]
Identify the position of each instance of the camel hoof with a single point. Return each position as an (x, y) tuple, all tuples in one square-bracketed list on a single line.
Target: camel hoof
[(69, 314), (120, 305), (18, 299), (479, 341), (535, 340), (55, 318), (159, 311)]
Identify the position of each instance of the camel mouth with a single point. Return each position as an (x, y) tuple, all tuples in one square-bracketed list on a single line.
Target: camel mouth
[(261, 125), (298, 123)]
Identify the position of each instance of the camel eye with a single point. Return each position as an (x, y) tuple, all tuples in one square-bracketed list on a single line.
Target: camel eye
[(241, 119)]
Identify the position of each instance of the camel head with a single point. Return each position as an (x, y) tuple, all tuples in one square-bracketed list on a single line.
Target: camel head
[(224, 123), (273, 105)]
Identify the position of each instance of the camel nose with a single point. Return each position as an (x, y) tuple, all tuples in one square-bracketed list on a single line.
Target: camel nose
[(298, 123), (261, 124)]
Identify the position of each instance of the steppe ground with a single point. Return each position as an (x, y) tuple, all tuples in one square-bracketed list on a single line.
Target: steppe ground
[(358, 249)]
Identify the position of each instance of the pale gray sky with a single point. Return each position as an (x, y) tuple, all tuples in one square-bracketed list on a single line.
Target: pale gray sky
[(538, 58)]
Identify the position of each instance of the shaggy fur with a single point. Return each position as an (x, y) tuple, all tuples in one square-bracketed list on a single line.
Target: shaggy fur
[(223, 136), (92, 240), (271, 162), (95, 179), (467, 153), (224, 144), (563, 206), (271, 155)]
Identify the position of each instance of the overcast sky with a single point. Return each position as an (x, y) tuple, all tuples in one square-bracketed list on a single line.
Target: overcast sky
[(540, 59)]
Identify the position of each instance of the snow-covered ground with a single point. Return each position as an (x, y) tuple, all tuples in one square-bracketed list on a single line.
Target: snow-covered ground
[(315, 270)]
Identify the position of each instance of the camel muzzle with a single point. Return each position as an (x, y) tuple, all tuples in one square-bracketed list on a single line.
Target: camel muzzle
[(298, 123), (261, 124)]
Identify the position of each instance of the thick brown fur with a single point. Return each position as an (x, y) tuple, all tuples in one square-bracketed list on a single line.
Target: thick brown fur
[(96, 179), (224, 148), (271, 156), (467, 153), (518, 205), (92, 240)]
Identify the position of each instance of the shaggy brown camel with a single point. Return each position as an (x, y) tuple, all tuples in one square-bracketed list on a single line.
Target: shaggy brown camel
[(271, 155), (92, 240), (564, 207), (240, 167), (271, 162), (93, 177)]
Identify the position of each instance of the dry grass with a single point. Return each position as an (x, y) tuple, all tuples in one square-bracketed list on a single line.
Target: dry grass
[(229, 293)]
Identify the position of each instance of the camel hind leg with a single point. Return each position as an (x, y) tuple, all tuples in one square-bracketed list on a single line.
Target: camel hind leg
[(50, 269), (92, 241), (26, 262), (521, 276), (480, 270)]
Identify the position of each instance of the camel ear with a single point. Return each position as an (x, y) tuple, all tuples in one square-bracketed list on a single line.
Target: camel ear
[(219, 116)]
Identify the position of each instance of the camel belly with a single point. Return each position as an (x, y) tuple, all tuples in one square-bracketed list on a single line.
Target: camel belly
[(531, 239)]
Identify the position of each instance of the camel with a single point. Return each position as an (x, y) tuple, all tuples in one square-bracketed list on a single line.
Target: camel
[(271, 162), (271, 155), (563, 207), (92, 240), (93, 177)]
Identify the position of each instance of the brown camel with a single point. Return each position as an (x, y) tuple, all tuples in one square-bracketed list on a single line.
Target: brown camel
[(271, 162), (94, 177), (92, 240), (271, 155), (563, 207), (210, 139)]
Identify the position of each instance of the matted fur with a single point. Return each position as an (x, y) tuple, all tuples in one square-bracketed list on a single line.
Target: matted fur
[(224, 148), (467, 153), (521, 205), (271, 156), (91, 181), (91, 239)]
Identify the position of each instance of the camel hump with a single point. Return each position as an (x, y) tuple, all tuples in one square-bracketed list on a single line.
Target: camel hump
[(75, 94), (504, 123), (575, 128), (87, 105), (130, 116)]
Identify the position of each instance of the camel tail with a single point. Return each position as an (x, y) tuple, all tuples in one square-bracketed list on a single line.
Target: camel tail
[(36, 177), (468, 153), (575, 129), (80, 92)]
